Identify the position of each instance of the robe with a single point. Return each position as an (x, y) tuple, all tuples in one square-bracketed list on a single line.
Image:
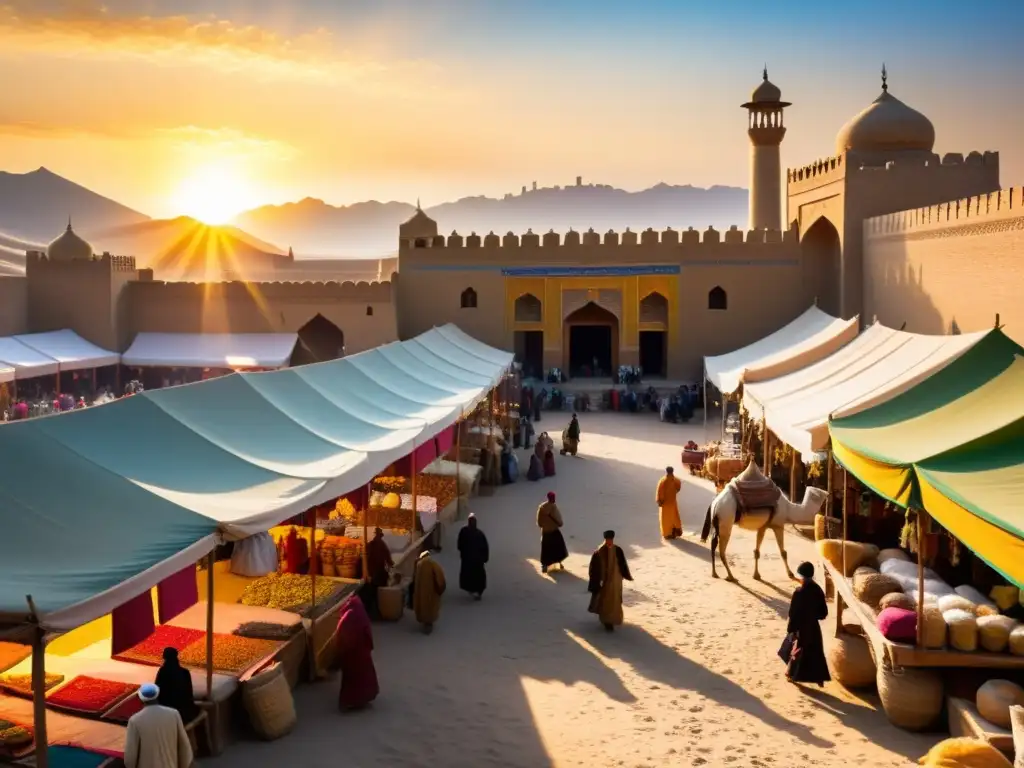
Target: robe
[(475, 552), (378, 561), (806, 609), (156, 738), (549, 463), (536, 470), (359, 684), (428, 586), (175, 684), (608, 568), (552, 543), (668, 508)]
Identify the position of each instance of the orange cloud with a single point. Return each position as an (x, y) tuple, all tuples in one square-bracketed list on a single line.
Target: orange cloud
[(86, 28)]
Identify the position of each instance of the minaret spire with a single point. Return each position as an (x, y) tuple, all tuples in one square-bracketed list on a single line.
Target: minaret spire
[(418, 208), (69, 222), (765, 73), (885, 77)]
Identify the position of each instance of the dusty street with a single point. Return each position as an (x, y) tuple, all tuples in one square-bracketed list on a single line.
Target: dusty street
[(528, 678)]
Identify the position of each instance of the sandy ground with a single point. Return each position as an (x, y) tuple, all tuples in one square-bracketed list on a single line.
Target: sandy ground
[(528, 678)]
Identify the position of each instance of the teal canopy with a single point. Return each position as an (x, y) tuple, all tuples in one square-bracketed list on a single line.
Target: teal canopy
[(100, 504)]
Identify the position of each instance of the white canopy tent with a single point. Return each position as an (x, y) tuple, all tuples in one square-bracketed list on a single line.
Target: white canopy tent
[(71, 351), (26, 362), (6, 373), (873, 368), (809, 338), (211, 350), (150, 483)]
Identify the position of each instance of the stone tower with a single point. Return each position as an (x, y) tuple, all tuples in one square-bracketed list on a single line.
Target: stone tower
[(766, 131)]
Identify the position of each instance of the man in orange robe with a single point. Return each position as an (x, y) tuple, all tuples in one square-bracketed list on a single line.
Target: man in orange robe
[(668, 509)]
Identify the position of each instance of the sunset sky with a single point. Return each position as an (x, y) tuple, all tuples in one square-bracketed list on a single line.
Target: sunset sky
[(173, 105)]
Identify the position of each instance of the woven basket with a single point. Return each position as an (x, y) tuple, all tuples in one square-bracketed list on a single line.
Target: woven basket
[(268, 700), (391, 602), (912, 699), (851, 662), (827, 527)]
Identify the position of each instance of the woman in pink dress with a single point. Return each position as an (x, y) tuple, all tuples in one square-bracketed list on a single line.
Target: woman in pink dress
[(359, 684)]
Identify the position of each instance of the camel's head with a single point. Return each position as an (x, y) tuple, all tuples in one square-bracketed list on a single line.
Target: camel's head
[(815, 498)]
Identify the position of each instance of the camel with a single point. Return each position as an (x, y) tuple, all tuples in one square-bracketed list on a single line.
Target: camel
[(773, 511)]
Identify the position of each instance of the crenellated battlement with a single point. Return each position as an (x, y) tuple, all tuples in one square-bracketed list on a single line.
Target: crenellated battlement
[(39, 260), (359, 292), (980, 209), (551, 240), (839, 166)]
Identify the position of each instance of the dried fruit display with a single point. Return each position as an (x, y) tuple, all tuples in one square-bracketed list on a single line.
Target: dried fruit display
[(13, 653), (124, 710), (15, 738), (151, 650), (232, 654), (439, 487), (397, 484), (90, 695), (21, 685), (285, 591)]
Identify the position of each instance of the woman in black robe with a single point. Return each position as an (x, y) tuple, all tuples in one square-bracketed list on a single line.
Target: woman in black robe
[(805, 656), (175, 684), (475, 552)]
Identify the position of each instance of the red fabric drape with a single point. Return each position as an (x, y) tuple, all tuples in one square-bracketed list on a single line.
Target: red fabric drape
[(445, 441), (424, 454), (177, 593), (133, 623), (359, 498)]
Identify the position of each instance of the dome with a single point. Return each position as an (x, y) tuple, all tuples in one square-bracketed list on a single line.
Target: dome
[(887, 125), (68, 247), (766, 91), (420, 225)]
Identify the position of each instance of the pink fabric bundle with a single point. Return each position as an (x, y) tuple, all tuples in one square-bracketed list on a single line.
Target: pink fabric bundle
[(898, 625), (133, 623), (177, 594)]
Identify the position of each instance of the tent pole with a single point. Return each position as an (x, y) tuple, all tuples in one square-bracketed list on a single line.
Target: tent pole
[(211, 560), (792, 476), (58, 381), (766, 443), (829, 506), (312, 561), (920, 576), (366, 540), (458, 469), (415, 506), (846, 483), (39, 688)]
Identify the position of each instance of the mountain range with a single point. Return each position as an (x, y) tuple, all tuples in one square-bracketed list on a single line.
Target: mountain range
[(35, 208)]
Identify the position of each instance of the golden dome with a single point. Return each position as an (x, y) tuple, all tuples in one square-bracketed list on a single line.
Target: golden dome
[(420, 225), (68, 247), (887, 125)]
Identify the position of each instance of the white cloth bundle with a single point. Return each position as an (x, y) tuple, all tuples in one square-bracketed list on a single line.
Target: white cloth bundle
[(254, 556)]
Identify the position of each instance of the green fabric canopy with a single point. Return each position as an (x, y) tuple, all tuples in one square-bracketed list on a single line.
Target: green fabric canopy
[(953, 445)]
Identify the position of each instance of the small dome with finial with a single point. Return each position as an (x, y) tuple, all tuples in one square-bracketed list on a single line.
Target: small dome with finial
[(419, 225), (766, 91), (69, 247), (886, 125)]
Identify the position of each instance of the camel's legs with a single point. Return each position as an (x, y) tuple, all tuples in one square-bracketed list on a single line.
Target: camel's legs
[(723, 543), (757, 553), (780, 533), (714, 545)]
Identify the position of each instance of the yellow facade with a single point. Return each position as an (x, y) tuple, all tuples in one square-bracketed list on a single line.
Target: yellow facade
[(633, 289)]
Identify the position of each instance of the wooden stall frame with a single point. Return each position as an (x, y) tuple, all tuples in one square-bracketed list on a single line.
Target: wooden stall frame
[(211, 561), (458, 469), (42, 742)]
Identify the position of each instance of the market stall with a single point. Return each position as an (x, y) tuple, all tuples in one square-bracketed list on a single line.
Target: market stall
[(211, 350), (949, 455), (219, 460)]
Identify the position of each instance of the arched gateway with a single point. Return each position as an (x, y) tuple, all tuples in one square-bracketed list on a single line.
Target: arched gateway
[(590, 342)]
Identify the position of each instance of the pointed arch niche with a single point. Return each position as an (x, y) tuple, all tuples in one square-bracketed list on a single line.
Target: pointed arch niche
[(653, 353), (528, 309), (319, 340)]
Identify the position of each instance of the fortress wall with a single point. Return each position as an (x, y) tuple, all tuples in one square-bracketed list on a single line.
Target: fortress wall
[(951, 265), (238, 307), (760, 272), (75, 295), (13, 305)]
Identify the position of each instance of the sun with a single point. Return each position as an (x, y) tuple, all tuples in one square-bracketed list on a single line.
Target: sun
[(213, 194)]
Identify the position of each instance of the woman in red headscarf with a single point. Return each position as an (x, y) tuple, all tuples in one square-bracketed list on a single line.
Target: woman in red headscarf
[(552, 544), (359, 684)]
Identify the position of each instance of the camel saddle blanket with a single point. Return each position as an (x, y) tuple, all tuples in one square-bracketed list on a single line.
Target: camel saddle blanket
[(754, 491)]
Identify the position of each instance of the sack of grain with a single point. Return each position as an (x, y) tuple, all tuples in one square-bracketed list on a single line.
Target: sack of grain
[(827, 527), (892, 554), (864, 570), (949, 602), (870, 587), (897, 625), (963, 629), (994, 632), (900, 600), (895, 567), (851, 663), (912, 699), (1005, 597), (995, 698), (934, 628), (982, 605), (857, 554), (964, 752), (1017, 640)]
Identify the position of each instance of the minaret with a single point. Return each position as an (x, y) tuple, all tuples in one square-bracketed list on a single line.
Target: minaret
[(766, 131)]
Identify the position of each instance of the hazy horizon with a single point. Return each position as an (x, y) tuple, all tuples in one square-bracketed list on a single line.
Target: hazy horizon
[(211, 107)]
